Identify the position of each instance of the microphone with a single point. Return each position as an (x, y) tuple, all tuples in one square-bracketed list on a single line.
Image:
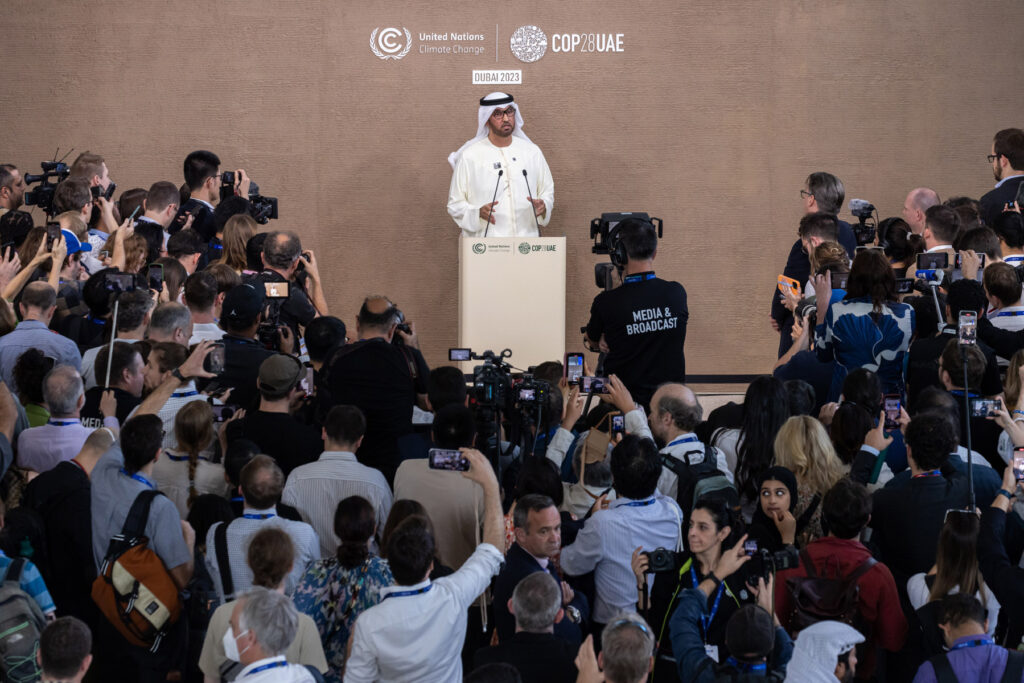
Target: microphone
[(495, 196), (533, 209)]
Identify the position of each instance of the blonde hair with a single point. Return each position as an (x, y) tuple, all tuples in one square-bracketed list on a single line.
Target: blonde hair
[(193, 430), (802, 446)]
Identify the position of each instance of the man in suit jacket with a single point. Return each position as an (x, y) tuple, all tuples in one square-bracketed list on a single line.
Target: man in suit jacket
[(534, 649), (537, 526), (1007, 160), (202, 176)]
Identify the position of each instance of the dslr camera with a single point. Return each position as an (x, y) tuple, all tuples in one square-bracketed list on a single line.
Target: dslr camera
[(53, 173), (660, 560), (263, 208), (764, 563)]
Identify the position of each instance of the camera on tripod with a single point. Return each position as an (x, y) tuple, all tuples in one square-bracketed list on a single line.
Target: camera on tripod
[(492, 381), (530, 392), (604, 232), (53, 173), (263, 208), (866, 228)]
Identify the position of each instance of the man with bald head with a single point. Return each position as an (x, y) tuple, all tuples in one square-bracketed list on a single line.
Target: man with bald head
[(377, 377), (38, 304), (675, 413), (918, 201)]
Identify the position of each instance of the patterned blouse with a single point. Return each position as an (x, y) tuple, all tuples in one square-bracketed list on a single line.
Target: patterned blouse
[(334, 597)]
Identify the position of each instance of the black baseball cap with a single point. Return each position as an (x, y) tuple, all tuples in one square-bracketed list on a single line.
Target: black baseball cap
[(243, 304)]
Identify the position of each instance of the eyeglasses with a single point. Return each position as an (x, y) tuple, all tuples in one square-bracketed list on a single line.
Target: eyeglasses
[(805, 194), (992, 157), (510, 113)]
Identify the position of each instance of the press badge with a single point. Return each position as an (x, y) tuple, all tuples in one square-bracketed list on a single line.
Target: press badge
[(711, 651)]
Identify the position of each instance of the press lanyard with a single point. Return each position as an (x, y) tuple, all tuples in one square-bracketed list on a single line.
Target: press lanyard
[(689, 438), (746, 667), (931, 473), (272, 665), (705, 620), (139, 478), (253, 515), (1008, 314), (639, 277), (974, 643), (63, 423), (638, 503), (402, 594), (184, 394)]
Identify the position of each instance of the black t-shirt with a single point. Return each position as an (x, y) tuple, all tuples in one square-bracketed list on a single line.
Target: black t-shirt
[(280, 436), (91, 416), (644, 325), (242, 360), (294, 311)]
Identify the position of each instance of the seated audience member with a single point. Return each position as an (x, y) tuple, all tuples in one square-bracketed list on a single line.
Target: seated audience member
[(454, 504), (374, 375), (675, 413), (187, 248), (38, 303), (336, 590), (923, 362), (270, 557), (907, 517), (984, 432), (272, 427), (127, 377), (1004, 578), (323, 335), (187, 470), (825, 651), (847, 510), (402, 510), (972, 656), (264, 623), (65, 651), (201, 298), (133, 312), (29, 372), (61, 497), (61, 438), (759, 645), (1002, 289), (538, 540), (241, 315), (262, 483), (170, 322), (638, 517), (419, 633), (802, 446), (316, 488), (534, 649), (1009, 227)]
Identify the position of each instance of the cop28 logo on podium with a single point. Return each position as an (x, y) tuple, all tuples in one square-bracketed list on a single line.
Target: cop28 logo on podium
[(387, 44)]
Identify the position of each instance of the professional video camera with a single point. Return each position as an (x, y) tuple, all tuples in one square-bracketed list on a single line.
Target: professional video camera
[(53, 173), (865, 229), (604, 232), (263, 208), (530, 392)]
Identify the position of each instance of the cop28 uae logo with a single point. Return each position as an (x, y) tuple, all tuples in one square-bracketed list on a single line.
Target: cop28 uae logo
[(529, 43), (387, 43), (524, 248)]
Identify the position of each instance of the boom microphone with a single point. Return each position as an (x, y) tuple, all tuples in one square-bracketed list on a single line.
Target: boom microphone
[(532, 207)]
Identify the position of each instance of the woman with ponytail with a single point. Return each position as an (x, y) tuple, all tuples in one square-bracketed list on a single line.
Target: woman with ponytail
[(336, 590), (188, 470)]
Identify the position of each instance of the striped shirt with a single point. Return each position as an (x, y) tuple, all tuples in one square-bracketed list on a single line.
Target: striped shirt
[(240, 530), (315, 489), (31, 582)]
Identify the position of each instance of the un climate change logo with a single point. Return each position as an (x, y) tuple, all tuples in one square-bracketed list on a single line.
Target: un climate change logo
[(479, 248), (529, 43), (387, 43), (524, 248)]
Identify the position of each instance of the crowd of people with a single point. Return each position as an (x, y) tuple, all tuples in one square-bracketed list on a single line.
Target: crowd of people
[(206, 476)]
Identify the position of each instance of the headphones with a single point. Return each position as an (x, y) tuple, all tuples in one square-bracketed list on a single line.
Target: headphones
[(617, 248)]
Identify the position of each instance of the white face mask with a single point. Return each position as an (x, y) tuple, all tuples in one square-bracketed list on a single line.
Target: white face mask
[(230, 642)]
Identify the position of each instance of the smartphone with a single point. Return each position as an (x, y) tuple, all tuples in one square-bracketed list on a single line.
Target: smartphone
[(789, 284), (573, 368), (215, 361), (443, 459), (110, 193), (52, 234), (1018, 463), (104, 255), (276, 290), (222, 413), (956, 261), (904, 285), (118, 282), (749, 548), (307, 382), (968, 328), (839, 279), (1020, 197), (134, 213), (593, 385), (935, 261), (891, 403), (618, 424), (460, 354), (155, 276), (985, 407)]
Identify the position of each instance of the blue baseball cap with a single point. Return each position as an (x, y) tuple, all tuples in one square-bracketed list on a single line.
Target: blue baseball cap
[(74, 246)]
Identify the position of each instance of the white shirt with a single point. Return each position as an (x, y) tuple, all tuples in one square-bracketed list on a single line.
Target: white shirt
[(169, 411), (939, 247), (289, 673), (1008, 318), (89, 363), (416, 633), (474, 180), (201, 331), (918, 592), (170, 474), (315, 489)]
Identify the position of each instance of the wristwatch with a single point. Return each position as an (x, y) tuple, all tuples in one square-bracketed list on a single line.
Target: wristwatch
[(573, 614), (176, 372)]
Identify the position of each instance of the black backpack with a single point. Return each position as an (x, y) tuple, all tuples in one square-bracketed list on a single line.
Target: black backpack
[(726, 673), (699, 480), (822, 598)]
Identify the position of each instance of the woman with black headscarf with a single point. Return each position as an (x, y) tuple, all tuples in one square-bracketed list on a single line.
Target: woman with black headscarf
[(773, 525)]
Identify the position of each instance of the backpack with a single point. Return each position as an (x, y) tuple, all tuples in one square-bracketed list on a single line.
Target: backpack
[(1011, 674), (725, 673), (699, 480), (21, 623), (820, 598), (134, 590)]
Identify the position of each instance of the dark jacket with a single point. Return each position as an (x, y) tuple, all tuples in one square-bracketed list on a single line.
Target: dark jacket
[(242, 360), (992, 202), (539, 657), (1004, 578)]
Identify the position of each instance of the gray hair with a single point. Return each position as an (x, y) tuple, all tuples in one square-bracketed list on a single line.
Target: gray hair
[(536, 601), (525, 504), (628, 645), (281, 248), (924, 198), (62, 388), (271, 617), (685, 416), (168, 317), (828, 192)]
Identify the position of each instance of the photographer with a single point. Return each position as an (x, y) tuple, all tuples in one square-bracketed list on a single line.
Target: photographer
[(713, 526), (642, 324), (202, 176), (12, 188), (241, 315), (284, 261)]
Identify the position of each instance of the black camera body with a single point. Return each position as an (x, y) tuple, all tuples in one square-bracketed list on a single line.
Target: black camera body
[(604, 232), (263, 208), (660, 561), (98, 192), (530, 392), (53, 173), (866, 228), (492, 384), (764, 563), (268, 331)]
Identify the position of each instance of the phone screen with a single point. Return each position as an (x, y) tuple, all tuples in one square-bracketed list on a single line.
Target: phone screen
[(593, 385), (573, 367), (981, 261), (1018, 463), (839, 280), (156, 277), (750, 547), (222, 413), (984, 407), (444, 459), (934, 261), (892, 411), (52, 235), (276, 290), (904, 285), (214, 362), (968, 327), (459, 354), (618, 424), (307, 382)]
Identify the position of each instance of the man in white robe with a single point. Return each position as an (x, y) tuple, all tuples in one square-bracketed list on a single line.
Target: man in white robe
[(501, 185)]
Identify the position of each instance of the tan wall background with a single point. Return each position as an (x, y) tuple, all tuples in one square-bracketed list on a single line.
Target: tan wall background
[(711, 119)]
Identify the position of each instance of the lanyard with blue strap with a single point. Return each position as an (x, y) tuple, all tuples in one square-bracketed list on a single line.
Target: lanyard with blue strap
[(1008, 314), (271, 665), (746, 668), (929, 473), (184, 394), (973, 643), (139, 478), (402, 594), (637, 503), (689, 438), (63, 423), (253, 515), (639, 277), (706, 619)]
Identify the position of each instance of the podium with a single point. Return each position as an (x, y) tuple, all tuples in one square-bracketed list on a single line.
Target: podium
[(512, 296)]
